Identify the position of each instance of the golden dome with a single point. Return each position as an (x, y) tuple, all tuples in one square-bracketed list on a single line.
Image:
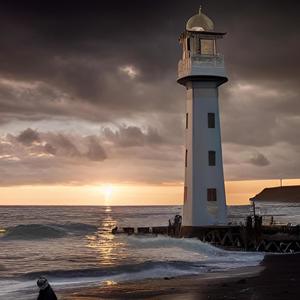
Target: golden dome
[(200, 22)]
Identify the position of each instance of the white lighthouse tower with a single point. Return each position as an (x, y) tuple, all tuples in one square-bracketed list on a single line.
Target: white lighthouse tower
[(201, 70)]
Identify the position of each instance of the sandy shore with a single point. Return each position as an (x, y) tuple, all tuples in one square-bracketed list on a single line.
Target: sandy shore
[(278, 277)]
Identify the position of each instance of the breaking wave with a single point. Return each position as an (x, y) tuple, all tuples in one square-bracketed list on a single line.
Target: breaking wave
[(211, 256), (188, 244), (128, 270), (50, 231)]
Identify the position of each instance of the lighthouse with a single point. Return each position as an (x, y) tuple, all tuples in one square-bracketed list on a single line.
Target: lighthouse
[(201, 71)]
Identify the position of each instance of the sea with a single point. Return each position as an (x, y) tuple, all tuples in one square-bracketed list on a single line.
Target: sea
[(73, 246)]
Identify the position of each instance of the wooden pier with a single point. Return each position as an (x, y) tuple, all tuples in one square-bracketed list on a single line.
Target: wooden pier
[(256, 237)]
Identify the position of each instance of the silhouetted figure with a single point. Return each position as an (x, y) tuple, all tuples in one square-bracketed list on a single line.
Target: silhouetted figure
[(170, 228), (177, 225), (46, 291), (174, 227)]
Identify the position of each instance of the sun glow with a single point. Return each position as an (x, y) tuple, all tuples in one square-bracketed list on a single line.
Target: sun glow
[(107, 192), (237, 193)]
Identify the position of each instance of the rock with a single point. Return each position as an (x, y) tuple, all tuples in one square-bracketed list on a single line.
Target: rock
[(242, 281)]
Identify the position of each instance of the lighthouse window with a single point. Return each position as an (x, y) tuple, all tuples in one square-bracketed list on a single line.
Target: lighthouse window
[(186, 154), (211, 120), (211, 158), (211, 194), (207, 47), (185, 194), (186, 120), (188, 41), (199, 46)]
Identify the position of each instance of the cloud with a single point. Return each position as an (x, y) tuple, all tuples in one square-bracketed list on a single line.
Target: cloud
[(95, 151), (132, 136), (258, 159), (68, 158), (118, 88), (28, 136), (33, 144), (62, 144), (50, 149), (130, 71), (259, 113)]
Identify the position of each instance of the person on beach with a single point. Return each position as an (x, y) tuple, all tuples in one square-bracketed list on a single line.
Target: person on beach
[(46, 291)]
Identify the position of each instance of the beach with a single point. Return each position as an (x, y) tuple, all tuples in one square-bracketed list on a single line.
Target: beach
[(278, 277)]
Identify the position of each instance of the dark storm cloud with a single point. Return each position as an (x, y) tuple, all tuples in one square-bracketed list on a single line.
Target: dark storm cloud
[(258, 159), (34, 144), (113, 61), (260, 114), (76, 49), (28, 136), (56, 157), (77, 52), (132, 136)]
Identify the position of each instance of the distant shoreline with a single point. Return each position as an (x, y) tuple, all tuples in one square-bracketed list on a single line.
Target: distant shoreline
[(64, 205)]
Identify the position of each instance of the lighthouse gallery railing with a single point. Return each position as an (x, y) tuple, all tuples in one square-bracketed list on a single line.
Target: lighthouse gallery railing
[(197, 62)]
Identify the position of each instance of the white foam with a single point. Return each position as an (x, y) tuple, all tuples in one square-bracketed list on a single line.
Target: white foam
[(188, 244), (187, 249)]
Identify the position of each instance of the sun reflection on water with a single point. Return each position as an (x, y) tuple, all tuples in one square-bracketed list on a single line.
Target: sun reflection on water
[(107, 245), (110, 282), (107, 209)]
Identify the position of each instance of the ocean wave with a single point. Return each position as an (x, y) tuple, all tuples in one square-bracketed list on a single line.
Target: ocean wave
[(187, 244), (62, 279), (159, 268), (115, 270), (33, 231), (66, 279), (46, 231), (78, 227), (217, 260), (207, 253)]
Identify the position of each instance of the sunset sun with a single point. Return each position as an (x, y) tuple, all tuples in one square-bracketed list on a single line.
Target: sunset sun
[(107, 191)]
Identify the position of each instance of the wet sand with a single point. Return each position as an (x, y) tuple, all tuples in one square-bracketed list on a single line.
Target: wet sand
[(278, 278)]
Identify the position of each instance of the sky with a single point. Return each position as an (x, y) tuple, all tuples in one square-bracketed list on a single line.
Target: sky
[(90, 111)]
